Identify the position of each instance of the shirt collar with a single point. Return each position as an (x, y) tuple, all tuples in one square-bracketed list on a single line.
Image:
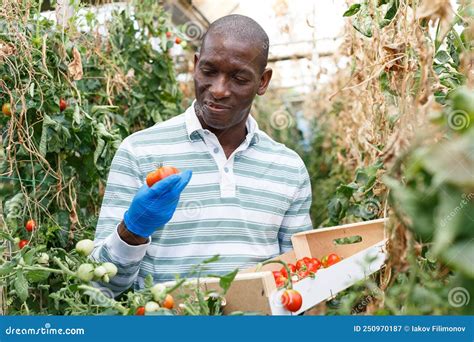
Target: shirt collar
[(195, 131)]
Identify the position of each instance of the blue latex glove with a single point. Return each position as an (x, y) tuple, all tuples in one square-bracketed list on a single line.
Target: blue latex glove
[(152, 207)]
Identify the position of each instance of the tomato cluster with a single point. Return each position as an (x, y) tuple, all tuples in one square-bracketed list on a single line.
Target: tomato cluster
[(29, 226), (177, 40), (304, 267)]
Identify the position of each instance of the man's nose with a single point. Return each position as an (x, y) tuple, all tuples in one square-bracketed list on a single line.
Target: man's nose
[(220, 88)]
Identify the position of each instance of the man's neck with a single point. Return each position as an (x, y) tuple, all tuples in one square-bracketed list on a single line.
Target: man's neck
[(230, 138)]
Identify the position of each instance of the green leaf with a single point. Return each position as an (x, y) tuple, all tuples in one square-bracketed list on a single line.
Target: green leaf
[(6, 268), (442, 56), (149, 281), (212, 259), (37, 276), (227, 279), (352, 10), (21, 286)]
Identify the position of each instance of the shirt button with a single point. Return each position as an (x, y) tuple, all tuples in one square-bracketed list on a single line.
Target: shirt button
[(216, 150), (226, 169)]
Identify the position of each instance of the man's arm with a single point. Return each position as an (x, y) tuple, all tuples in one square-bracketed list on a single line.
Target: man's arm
[(113, 241), (297, 217), (131, 212)]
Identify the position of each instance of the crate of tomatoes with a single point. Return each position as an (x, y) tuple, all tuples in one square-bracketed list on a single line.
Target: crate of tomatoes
[(323, 263)]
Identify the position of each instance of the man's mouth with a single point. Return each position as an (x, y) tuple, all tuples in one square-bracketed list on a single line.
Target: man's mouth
[(214, 107)]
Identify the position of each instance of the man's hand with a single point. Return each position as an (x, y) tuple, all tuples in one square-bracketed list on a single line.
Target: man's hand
[(152, 207)]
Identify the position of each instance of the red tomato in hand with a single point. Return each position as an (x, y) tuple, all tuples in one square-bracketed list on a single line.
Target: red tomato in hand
[(30, 225), (330, 260), (291, 300), (140, 311), (22, 243), (159, 174)]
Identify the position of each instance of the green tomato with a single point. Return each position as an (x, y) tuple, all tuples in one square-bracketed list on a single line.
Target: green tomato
[(43, 259), (85, 272), (158, 291), (111, 269), (100, 271), (151, 306), (85, 247)]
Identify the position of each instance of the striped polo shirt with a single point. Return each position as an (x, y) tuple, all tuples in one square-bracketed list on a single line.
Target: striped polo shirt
[(244, 208)]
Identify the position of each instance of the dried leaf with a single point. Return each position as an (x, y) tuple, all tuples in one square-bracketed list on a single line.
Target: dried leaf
[(75, 67)]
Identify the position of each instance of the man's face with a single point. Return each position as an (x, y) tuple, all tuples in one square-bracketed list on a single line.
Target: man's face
[(227, 76)]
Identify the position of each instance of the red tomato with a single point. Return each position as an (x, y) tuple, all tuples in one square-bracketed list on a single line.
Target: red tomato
[(168, 34), (300, 264), (303, 273), (312, 267), (291, 300), (62, 105), (177, 40), (159, 174), (292, 270), (22, 243), (140, 311), (316, 262), (330, 260), (30, 225), (306, 260), (168, 302), (280, 281)]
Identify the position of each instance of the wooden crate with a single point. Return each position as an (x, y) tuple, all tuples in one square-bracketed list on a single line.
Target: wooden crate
[(257, 291)]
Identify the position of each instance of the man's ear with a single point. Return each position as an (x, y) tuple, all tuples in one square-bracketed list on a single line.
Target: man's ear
[(264, 81)]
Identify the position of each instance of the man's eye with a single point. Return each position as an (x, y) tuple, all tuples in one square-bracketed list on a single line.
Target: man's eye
[(240, 79), (208, 71)]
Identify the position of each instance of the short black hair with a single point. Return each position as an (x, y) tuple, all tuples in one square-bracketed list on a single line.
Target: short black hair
[(242, 28)]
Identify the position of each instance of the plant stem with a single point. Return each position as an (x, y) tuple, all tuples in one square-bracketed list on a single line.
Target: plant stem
[(289, 282)]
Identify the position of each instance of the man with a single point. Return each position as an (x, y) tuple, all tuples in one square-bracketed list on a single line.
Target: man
[(247, 194)]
